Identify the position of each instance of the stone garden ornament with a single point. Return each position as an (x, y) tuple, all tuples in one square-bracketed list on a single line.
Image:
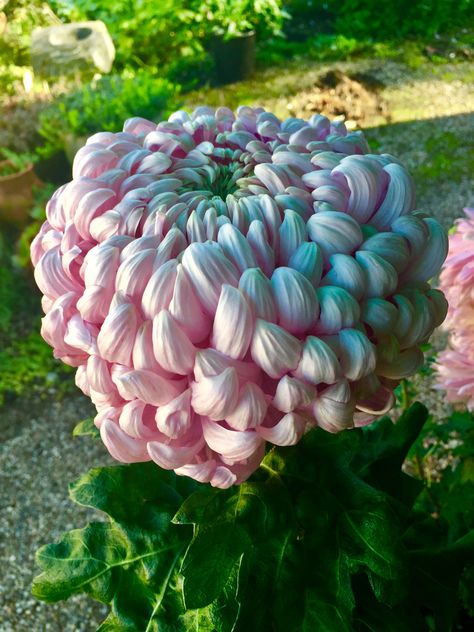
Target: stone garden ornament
[(68, 48)]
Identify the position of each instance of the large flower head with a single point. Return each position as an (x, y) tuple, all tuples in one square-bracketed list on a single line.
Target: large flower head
[(225, 280), (456, 363)]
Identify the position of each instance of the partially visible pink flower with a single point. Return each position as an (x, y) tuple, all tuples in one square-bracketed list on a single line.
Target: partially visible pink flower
[(456, 364), (225, 280)]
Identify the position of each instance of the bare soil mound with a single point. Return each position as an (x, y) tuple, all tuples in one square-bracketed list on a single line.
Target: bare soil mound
[(354, 98)]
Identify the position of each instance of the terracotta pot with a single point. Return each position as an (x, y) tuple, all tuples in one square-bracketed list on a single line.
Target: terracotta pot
[(234, 58), (16, 196)]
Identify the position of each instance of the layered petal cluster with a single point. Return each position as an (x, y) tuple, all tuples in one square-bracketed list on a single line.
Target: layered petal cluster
[(456, 364), (225, 280)]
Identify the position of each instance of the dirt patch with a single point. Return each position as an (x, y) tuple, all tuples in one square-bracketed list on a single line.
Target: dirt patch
[(356, 99)]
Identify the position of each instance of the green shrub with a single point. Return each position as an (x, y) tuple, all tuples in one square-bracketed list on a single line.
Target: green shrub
[(231, 18), (144, 33), (388, 19), (23, 16), (103, 106)]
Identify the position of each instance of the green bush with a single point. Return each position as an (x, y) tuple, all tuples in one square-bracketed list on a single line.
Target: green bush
[(103, 106), (231, 18), (144, 33), (380, 20), (400, 18)]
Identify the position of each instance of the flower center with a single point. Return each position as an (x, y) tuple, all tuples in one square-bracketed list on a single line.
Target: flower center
[(221, 181)]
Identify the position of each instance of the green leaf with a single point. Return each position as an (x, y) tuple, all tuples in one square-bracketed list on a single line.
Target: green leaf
[(323, 616), (384, 447), (86, 428), (209, 561), (131, 562), (226, 524)]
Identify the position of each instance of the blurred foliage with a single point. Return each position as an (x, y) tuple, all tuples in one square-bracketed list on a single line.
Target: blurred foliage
[(14, 162), (152, 34), (231, 18), (144, 33), (192, 71), (26, 361), (103, 106), (443, 457), (19, 118), (23, 16), (321, 47), (37, 215), (390, 19), (28, 366), (446, 156)]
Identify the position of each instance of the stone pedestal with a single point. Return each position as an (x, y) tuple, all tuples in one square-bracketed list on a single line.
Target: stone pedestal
[(68, 48)]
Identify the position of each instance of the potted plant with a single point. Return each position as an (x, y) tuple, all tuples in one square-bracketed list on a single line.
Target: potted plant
[(231, 28), (17, 179)]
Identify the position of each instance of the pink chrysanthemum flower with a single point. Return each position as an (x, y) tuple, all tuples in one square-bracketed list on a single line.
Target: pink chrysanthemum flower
[(456, 364), (222, 281)]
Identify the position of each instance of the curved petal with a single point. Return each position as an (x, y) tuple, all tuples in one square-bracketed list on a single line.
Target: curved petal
[(122, 447), (292, 393), (288, 431), (319, 363), (216, 396), (295, 300), (274, 350), (174, 419), (232, 444), (250, 410), (233, 323), (148, 387), (172, 456), (172, 347)]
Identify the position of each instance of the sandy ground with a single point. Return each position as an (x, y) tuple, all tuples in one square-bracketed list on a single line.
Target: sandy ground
[(39, 457)]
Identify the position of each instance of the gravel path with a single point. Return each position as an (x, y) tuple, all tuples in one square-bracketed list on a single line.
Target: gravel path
[(38, 455), (38, 460)]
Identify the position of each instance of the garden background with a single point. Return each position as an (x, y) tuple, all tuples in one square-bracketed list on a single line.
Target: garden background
[(401, 71)]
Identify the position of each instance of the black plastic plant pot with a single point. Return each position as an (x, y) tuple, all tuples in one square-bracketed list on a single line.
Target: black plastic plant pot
[(234, 58), (55, 169)]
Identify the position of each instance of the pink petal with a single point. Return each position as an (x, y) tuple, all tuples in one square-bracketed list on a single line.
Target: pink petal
[(172, 456), (216, 396), (292, 393), (208, 269), (236, 247), (233, 323), (137, 419), (122, 447), (358, 356), (257, 290), (172, 348), (159, 289), (274, 350), (250, 409), (231, 444), (117, 334), (288, 431), (148, 386), (295, 300), (186, 309), (174, 419)]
